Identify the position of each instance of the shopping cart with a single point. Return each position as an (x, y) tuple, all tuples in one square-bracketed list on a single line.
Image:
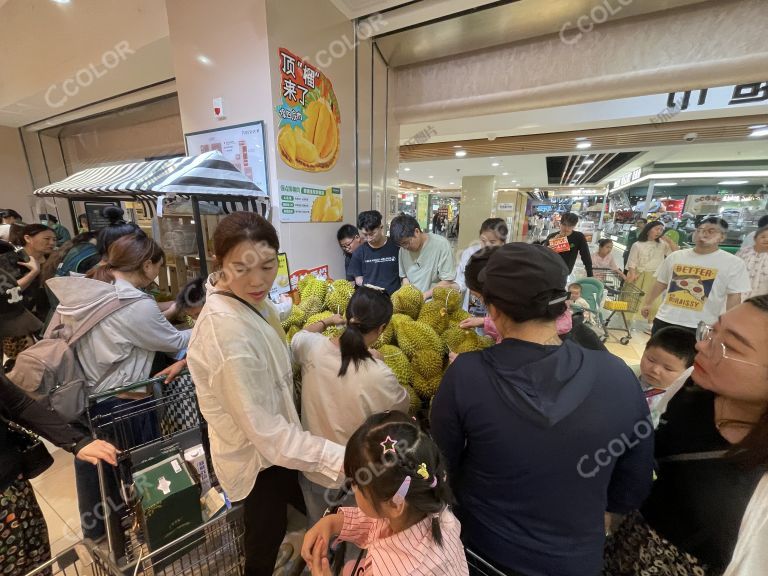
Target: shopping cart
[(215, 547), (621, 297)]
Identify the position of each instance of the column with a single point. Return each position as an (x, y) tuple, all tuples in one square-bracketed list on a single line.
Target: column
[(478, 199)]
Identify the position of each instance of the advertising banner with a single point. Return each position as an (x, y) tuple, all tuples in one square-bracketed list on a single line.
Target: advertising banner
[(301, 202)]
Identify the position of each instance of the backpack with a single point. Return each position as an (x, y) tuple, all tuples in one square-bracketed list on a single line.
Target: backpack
[(75, 257), (49, 370)]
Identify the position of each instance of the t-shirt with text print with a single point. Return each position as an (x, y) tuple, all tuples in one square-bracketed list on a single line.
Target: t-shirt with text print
[(377, 266)]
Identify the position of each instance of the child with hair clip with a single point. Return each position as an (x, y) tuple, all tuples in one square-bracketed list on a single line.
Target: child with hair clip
[(402, 518)]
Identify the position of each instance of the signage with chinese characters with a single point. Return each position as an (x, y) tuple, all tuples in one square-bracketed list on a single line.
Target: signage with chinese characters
[(560, 244), (320, 272), (627, 178), (282, 280), (301, 202), (505, 206), (308, 132)]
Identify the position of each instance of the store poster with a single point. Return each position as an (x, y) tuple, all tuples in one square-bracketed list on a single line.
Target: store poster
[(690, 287), (308, 132), (703, 204), (300, 202), (242, 145), (282, 284), (320, 272)]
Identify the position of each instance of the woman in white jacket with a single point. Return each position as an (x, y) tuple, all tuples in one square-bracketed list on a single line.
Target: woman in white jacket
[(120, 349), (242, 371)]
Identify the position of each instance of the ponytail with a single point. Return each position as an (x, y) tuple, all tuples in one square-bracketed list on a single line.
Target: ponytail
[(369, 309)]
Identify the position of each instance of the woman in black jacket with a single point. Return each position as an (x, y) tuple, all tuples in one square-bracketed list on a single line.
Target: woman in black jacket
[(23, 534)]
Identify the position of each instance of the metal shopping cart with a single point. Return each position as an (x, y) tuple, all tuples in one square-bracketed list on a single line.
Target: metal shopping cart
[(175, 423), (621, 297)]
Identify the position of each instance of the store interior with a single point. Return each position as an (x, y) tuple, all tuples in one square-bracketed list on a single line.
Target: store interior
[(609, 143)]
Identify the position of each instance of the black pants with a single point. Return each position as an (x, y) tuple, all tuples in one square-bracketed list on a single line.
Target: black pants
[(266, 517), (659, 324)]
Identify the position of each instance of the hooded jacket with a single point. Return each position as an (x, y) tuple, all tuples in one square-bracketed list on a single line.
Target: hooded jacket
[(541, 441), (128, 337)]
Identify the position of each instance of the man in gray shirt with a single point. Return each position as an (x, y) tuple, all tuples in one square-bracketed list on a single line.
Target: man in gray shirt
[(425, 260)]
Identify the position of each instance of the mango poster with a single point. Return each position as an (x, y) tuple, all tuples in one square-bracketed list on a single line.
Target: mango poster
[(300, 202), (308, 133)]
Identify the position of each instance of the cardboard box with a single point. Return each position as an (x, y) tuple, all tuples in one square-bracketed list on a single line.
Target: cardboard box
[(170, 502)]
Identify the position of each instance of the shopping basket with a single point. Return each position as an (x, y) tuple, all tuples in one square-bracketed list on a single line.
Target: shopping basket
[(166, 421), (623, 298)]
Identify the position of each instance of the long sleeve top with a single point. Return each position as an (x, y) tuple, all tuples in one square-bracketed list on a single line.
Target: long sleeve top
[(577, 246), (243, 377), (21, 409), (412, 551)]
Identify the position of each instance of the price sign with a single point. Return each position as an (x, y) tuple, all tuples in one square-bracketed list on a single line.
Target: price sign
[(560, 244)]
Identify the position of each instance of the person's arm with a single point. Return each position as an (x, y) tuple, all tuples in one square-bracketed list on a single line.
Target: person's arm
[(323, 325), (733, 300), (460, 270), (148, 328), (586, 257), (632, 263), (401, 267), (446, 420), (34, 270), (355, 269), (739, 284), (359, 280), (441, 284), (655, 292)]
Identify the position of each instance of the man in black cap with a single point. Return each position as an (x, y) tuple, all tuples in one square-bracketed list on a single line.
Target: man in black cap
[(542, 437)]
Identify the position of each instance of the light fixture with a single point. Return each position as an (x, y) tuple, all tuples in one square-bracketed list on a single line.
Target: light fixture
[(407, 169), (587, 162), (733, 182), (204, 59), (758, 126), (431, 177), (61, 1), (665, 184), (451, 183), (495, 164), (457, 146), (580, 172), (505, 173), (584, 145), (461, 153), (759, 133)]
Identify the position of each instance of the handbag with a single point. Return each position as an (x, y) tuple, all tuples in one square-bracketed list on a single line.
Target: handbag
[(34, 456)]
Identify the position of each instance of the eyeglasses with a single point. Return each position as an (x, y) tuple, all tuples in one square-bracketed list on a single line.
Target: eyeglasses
[(718, 351), (347, 245)]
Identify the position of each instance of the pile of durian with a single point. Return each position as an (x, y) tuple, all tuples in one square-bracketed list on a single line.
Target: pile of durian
[(415, 344)]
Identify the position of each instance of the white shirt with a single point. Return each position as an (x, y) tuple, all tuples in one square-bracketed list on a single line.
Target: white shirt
[(334, 406), (647, 256), (698, 285), (244, 382), (461, 269)]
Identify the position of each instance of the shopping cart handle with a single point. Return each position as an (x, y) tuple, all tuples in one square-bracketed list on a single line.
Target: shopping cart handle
[(128, 387)]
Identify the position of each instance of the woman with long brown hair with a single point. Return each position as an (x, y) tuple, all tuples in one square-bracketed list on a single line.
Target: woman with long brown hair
[(120, 349), (242, 371)]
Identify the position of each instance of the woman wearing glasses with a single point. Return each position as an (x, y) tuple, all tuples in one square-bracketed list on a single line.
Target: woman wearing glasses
[(711, 451)]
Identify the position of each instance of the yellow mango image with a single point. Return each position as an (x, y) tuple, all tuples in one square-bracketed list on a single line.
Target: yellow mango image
[(327, 208), (315, 146)]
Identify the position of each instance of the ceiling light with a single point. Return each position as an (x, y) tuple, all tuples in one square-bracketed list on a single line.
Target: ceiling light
[(581, 138), (733, 182), (407, 169), (461, 153), (665, 184), (580, 172), (431, 176), (204, 60), (505, 173), (451, 183), (760, 132), (587, 162), (61, 1), (495, 164), (457, 146), (584, 145), (756, 126)]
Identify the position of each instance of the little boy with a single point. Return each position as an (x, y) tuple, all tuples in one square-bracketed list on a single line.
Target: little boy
[(666, 364)]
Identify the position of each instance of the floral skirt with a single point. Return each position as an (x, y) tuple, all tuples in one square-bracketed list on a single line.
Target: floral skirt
[(636, 549), (23, 533)]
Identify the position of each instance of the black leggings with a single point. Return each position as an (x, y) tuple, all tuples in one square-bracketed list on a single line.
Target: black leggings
[(266, 517)]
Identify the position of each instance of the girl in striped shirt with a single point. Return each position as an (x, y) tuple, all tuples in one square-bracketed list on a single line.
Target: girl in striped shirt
[(402, 518)]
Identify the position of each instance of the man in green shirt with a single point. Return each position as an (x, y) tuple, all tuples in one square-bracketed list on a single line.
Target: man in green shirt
[(425, 260)]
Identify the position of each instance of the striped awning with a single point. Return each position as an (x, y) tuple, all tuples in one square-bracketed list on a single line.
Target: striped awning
[(208, 174)]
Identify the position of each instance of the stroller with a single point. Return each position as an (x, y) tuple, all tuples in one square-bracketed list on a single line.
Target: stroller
[(593, 291)]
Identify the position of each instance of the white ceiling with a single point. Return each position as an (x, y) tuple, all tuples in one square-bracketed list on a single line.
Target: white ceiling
[(530, 171)]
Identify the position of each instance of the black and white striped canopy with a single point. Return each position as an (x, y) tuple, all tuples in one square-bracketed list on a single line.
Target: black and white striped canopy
[(208, 174)]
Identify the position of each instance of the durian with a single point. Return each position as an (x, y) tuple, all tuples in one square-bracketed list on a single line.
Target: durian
[(426, 387), (397, 362), (339, 294), (427, 363), (413, 336), (407, 300), (450, 298), (435, 314), (415, 401)]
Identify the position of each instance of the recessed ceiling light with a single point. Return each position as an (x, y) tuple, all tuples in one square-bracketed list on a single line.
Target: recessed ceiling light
[(61, 1), (584, 145), (505, 173), (587, 162), (665, 184), (732, 182), (457, 146), (495, 164), (580, 172), (407, 169), (581, 138), (461, 153), (204, 59), (431, 177), (451, 183), (760, 132)]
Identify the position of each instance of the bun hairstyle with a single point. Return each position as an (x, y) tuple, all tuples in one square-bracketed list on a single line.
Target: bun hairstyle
[(117, 229), (127, 254), (369, 309), (381, 473)]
